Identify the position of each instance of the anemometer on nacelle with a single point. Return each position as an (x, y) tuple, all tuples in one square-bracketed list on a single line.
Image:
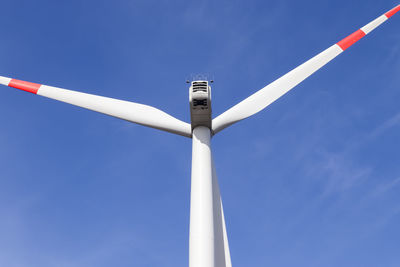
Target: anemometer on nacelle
[(200, 103)]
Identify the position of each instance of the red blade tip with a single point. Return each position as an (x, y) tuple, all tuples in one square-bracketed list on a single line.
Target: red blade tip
[(25, 86)]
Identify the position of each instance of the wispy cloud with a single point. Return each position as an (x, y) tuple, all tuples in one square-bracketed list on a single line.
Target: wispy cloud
[(338, 173), (385, 126), (384, 188)]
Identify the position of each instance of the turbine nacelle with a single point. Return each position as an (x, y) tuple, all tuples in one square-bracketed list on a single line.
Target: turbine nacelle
[(200, 103)]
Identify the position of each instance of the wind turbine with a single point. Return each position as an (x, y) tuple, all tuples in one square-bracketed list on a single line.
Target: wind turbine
[(208, 244)]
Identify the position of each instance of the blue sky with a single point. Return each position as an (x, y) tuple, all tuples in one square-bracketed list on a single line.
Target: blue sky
[(313, 180)]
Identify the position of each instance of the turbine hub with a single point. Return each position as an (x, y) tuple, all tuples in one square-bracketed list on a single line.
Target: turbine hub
[(200, 103)]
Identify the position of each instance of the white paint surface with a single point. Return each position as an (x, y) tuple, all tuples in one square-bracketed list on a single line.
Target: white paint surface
[(274, 90), (202, 232), (133, 112), (221, 244), (374, 24), (4, 80)]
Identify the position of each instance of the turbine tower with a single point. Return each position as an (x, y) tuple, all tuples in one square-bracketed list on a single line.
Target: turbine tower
[(208, 242)]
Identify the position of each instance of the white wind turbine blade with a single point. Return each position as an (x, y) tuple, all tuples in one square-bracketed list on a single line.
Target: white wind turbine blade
[(221, 244), (264, 97), (129, 111)]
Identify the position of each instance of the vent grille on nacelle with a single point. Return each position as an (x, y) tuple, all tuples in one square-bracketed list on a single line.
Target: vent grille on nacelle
[(199, 86)]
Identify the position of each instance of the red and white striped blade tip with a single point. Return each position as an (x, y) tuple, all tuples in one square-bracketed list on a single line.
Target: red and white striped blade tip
[(21, 85), (357, 35)]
